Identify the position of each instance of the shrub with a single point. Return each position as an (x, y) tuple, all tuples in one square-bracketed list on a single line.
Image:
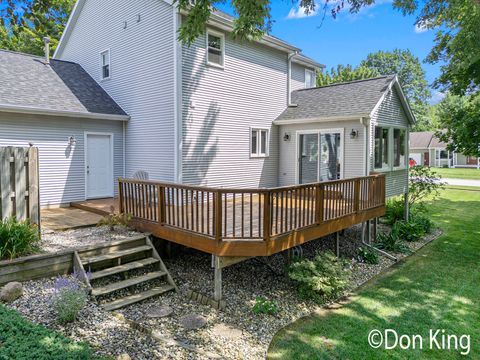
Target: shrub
[(390, 242), (424, 183), (424, 222), (264, 306), (368, 255), (322, 278), (394, 211), (21, 339), (113, 219), (18, 238), (408, 230), (70, 297)]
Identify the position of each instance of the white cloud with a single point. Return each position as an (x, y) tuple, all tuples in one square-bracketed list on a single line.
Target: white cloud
[(420, 28), (298, 12), (437, 96)]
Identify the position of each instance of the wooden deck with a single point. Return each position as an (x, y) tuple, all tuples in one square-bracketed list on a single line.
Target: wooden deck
[(250, 222)]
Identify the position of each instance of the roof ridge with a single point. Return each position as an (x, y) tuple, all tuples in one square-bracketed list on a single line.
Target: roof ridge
[(21, 53), (348, 82)]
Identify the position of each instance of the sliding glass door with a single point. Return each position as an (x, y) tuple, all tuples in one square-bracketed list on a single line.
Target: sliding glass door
[(320, 156)]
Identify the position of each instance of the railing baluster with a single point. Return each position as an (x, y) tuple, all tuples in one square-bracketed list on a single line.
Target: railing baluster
[(218, 216), (266, 216)]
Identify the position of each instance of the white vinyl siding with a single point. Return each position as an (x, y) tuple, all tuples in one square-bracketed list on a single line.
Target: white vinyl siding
[(62, 167), (220, 106), (143, 81), (353, 149), (390, 114), (298, 76)]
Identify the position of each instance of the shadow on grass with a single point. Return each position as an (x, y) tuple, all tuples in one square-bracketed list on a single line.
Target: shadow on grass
[(437, 288)]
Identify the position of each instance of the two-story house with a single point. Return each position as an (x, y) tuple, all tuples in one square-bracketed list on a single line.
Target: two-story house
[(122, 95)]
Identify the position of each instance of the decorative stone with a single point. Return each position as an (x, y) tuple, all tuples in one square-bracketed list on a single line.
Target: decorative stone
[(227, 331), (11, 292), (193, 321), (159, 312), (124, 356)]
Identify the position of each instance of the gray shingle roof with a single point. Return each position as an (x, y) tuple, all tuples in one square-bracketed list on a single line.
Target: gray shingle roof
[(26, 80), (420, 139), (337, 100)]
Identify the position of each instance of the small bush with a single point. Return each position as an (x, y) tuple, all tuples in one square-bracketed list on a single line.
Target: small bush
[(18, 238), (394, 211), (70, 297), (113, 219), (20, 339), (368, 256), (264, 306), (391, 242), (408, 230), (424, 222), (322, 278)]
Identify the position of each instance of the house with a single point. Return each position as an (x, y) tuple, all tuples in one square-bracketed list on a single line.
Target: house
[(426, 149), (122, 95)]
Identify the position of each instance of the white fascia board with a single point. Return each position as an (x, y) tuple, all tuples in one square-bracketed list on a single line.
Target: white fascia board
[(320, 119), (77, 9), (64, 113)]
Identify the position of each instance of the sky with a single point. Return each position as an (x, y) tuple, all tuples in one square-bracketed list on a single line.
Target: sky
[(351, 37)]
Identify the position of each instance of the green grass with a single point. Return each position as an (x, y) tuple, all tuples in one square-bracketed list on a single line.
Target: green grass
[(457, 173), (20, 339), (437, 288)]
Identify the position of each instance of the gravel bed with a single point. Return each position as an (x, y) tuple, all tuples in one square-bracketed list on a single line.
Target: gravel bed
[(53, 241), (236, 333)]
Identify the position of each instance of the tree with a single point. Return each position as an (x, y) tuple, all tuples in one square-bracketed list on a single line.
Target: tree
[(459, 116), (23, 24), (345, 73), (411, 76)]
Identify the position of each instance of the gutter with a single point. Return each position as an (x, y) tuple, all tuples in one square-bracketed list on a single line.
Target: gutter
[(64, 113), (320, 119)]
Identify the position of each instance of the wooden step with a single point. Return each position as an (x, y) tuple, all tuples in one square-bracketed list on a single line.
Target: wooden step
[(132, 299), (123, 268), (115, 255), (107, 289)]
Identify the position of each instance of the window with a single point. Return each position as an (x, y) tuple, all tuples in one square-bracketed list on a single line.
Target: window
[(215, 48), (399, 147), (443, 154), (259, 143), (310, 80), (105, 63), (381, 147)]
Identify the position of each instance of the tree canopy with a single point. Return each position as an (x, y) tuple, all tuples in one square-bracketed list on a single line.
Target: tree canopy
[(23, 24), (344, 73)]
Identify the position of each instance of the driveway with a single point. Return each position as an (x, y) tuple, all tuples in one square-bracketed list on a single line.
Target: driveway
[(462, 182)]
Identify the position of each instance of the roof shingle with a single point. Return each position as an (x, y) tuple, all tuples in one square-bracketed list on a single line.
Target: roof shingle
[(26, 80)]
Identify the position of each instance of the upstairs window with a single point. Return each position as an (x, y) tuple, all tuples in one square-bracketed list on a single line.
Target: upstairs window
[(215, 48), (399, 147), (381, 148), (310, 79), (105, 63), (259, 142)]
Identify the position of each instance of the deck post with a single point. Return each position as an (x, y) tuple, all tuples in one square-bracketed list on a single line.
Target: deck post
[(266, 216), (217, 293), (337, 243), (319, 195), (218, 216), (375, 222), (121, 209), (356, 196), (369, 233), (161, 205)]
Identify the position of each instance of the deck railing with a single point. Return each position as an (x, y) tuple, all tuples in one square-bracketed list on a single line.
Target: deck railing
[(249, 214)]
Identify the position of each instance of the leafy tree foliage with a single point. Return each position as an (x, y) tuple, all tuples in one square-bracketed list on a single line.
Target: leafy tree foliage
[(460, 117), (23, 24), (345, 73)]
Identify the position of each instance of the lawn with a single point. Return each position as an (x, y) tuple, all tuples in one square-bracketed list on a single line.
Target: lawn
[(457, 173), (20, 339), (437, 288)]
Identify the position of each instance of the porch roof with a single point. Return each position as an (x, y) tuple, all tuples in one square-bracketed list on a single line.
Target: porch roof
[(337, 101)]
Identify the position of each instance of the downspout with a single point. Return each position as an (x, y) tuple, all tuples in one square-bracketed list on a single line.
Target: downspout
[(289, 78), (366, 124)]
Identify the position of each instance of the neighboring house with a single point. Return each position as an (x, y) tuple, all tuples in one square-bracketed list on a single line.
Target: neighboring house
[(219, 113), (427, 150)]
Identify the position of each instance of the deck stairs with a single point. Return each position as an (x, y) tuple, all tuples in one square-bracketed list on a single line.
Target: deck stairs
[(124, 272)]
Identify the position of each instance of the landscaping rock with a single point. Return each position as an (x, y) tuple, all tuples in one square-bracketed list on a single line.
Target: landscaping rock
[(159, 312), (11, 292), (226, 331), (124, 356), (193, 321)]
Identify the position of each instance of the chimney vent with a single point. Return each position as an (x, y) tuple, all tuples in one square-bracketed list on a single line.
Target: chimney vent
[(46, 41)]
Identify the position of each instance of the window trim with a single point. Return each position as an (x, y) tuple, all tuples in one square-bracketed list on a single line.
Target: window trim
[(109, 64), (222, 48), (391, 148), (267, 145), (313, 72)]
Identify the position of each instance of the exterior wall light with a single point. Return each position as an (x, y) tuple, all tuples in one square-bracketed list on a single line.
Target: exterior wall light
[(286, 137), (354, 134), (72, 141)]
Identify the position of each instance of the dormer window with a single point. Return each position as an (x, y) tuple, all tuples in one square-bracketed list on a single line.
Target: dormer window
[(310, 79), (105, 64), (215, 48)]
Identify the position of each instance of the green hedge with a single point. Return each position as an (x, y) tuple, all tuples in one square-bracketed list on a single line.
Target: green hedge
[(22, 340)]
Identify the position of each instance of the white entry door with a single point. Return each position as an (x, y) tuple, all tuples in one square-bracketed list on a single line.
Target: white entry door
[(99, 165)]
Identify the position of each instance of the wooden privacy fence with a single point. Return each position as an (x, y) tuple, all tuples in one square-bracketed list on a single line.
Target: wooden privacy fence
[(19, 188), (227, 215)]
